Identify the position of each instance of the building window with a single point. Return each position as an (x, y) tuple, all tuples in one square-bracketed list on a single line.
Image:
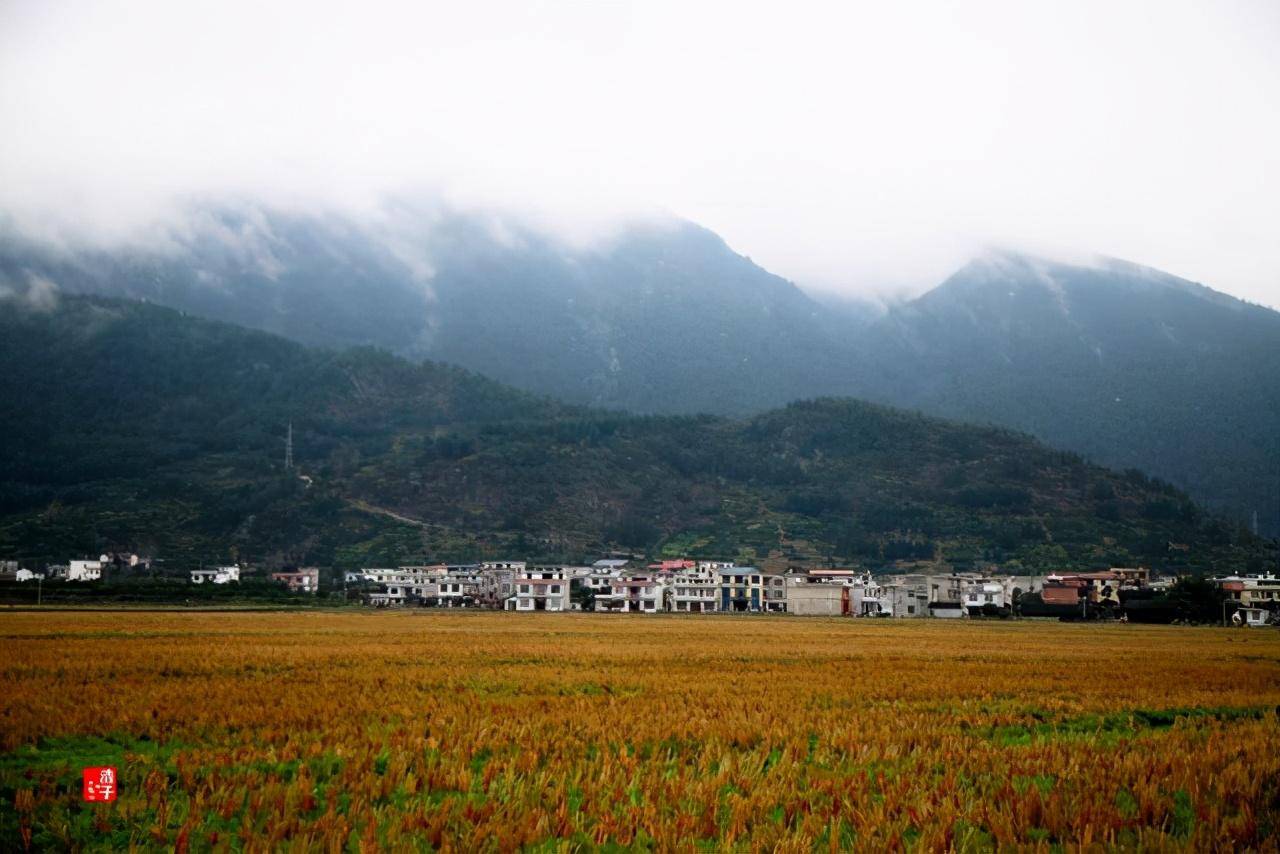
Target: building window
[(526, 603), (555, 588)]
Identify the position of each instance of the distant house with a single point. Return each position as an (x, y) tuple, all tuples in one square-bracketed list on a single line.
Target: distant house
[(986, 597), (695, 590), (84, 570), (300, 580), (748, 589), (640, 592), (1251, 617), (610, 564), (541, 588), (821, 592), (216, 575), (26, 575), (405, 584), (1252, 591)]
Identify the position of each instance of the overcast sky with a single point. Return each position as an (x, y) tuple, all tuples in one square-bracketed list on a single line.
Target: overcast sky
[(854, 146)]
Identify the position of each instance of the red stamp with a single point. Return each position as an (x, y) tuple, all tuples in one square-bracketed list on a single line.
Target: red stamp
[(100, 784)]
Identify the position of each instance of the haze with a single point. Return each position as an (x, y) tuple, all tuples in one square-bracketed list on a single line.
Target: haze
[(864, 149)]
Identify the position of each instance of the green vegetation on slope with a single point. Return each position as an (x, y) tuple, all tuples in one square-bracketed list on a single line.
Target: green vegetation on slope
[(133, 426)]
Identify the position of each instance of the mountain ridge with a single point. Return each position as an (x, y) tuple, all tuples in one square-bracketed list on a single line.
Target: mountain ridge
[(147, 429), (1128, 365)]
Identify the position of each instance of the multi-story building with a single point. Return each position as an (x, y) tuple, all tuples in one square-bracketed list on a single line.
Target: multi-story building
[(694, 590), (599, 583), (986, 596), (821, 592), (305, 580), (85, 570), (640, 592), (920, 595), (541, 588), (1252, 591), (774, 585), (748, 589)]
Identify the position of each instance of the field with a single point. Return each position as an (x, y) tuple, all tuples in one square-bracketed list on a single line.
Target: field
[(474, 732)]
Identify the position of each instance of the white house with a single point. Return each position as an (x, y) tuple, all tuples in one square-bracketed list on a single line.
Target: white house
[(694, 591), (641, 592), (1251, 617), (26, 575), (984, 596), (84, 570), (541, 588), (216, 575)]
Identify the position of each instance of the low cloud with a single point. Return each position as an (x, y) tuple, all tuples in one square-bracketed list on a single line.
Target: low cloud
[(864, 149)]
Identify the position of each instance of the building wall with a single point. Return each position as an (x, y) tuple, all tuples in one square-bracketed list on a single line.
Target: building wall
[(816, 600)]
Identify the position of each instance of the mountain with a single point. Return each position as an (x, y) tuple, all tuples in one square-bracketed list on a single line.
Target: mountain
[(135, 426), (660, 317), (1127, 365), (1132, 367)]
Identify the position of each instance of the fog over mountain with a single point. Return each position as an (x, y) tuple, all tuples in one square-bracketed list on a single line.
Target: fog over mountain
[(1129, 365), (718, 209), (864, 148)]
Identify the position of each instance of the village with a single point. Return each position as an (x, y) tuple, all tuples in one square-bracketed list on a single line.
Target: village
[(629, 585)]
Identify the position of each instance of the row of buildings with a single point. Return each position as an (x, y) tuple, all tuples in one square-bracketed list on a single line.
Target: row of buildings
[(700, 587), (624, 585), (306, 580), (687, 586)]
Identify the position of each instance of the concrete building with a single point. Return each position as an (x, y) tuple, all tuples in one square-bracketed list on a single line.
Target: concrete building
[(817, 600), (84, 570), (541, 588), (632, 592), (306, 580), (1252, 591), (748, 589), (216, 575), (694, 590)]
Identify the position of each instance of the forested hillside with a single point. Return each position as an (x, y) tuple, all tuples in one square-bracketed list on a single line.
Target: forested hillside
[(1129, 366), (133, 426)]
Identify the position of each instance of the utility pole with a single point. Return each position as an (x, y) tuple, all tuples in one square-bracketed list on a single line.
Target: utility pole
[(288, 448)]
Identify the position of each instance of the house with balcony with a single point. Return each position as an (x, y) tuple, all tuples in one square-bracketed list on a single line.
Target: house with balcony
[(541, 588), (1261, 590), (746, 589), (632, 592), (694, 590)]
